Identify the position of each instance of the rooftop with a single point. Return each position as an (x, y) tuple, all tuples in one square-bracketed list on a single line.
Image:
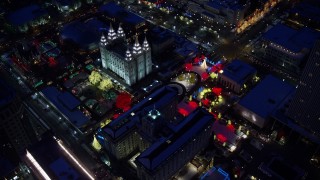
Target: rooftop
[(52, 160), (238, 71), (215, 174), (67, 104), (307, 10), (157, 153), (116, 11), (126, 121), (267, 96), (292, 39), (83, 33), (228, 4), (26, 14), (6, 93)]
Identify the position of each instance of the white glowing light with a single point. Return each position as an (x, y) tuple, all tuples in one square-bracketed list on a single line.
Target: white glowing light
[(74, 160), (37, 166)]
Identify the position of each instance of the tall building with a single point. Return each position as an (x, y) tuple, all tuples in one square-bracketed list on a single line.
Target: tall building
[(162, 144), (289, 47), (130, 63), (15, 128), (304, 107)]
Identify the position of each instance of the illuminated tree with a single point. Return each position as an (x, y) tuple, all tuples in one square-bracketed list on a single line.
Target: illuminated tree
[(104, 122), (95, 77), (123, 101), (188, 67), (105, 84), (217, 91), (204, 75), (95, 144), (213, 75)]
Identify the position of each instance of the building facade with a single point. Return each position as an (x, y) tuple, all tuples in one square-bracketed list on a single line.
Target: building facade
[(15, 128), (164, 146), (304, 107), (130, 63), (237, 75), (167, 156), (288, 47)]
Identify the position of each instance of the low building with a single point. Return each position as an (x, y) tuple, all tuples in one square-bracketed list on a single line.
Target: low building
[(50, 159), (232, 11), (116, 13), (67, 104), (259, 104), (26, 17), (306, 13), (165, 157), (215, 174), (163, 141), (289, 47), (237, 75), (85, 35), (120, 137), (66, 6)]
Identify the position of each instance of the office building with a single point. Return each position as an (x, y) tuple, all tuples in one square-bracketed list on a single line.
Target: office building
[(165, 157), (289, 47), (237, 75), (130, 63), (304, 107), (151, 129), (16, 132), (264, 99), (232, 11), (50, 159), (120, 137)]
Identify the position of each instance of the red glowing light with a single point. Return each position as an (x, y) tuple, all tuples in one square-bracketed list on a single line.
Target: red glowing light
[(193, 104), (203, 57), (123, 101), (217, 91), (231, 127), (188, 67), (52, 61), (183, 112), (196, 60), (221, 138), (204, 75), (115, 116), (205, 102)]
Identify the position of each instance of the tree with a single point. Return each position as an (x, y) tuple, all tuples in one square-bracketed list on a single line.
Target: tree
[(123, 101), (95, 77), (105, 84)]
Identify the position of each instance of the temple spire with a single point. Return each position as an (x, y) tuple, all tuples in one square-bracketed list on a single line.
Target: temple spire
[(111, 34), (136, 46), (120, 32), (128, 55), (103, 40), (145, 44)]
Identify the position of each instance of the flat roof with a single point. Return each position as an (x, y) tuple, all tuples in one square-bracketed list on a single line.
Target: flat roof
[(52, 159), (126, 121), (116, 11), (267, 96), (159, 152), (292, 39), (7, 93), (75, 116), (26, 14), (84, 33), (307, 10), (238, 71), (215, 174), (229, 4)]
